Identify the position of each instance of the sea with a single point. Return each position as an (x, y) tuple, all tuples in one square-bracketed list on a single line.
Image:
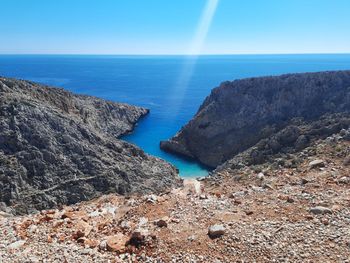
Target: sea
[(172, 87)]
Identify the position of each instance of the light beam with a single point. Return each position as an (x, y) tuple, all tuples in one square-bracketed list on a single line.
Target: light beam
[(193, 53)]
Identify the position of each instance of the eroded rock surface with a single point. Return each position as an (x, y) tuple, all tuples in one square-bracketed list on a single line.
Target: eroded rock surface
[(60, 148), (239, 114)]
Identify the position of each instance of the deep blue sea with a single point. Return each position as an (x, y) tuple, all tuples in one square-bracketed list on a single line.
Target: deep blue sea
[(172, 87)]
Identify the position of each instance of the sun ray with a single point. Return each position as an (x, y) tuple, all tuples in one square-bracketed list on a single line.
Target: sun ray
[(193, 53)]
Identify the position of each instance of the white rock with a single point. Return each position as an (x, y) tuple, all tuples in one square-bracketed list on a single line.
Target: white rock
[(260, 176), (152, 199), (316, 164), (216, 231), (143, 221), (17, 244)]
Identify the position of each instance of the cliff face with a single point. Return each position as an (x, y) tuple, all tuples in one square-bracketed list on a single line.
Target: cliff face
[(60, 148), (239, 114)]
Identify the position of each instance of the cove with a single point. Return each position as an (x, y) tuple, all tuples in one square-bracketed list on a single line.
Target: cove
[(158, 83)]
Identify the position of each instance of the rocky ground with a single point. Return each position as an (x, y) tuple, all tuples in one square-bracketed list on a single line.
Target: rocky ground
[(296, 211)]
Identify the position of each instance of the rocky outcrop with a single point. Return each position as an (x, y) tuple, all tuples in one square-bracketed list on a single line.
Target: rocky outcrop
[(60, 148), (277, 149), (239, 114)]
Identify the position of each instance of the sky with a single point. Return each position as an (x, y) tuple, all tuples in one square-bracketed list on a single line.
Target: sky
[(174, 26)]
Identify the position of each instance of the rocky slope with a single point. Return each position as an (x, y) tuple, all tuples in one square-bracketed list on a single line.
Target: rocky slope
[(255, 213), (60, 148), (239, 114)]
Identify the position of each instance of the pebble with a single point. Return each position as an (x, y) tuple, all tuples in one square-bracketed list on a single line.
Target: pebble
[(316, 164), (161, 223), (216, 231), (320, 210), (260, 176)]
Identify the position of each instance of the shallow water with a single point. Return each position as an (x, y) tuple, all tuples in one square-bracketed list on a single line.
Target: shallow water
[(172, 87)]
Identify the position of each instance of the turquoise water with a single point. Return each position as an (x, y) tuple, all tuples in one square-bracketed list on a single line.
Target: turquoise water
[(172, 87)]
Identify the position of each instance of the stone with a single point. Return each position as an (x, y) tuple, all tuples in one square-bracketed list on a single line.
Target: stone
[(260, 176), (152, 199), (267, 186), (320, 210), (16, 245), (249, 212), (125, 225), (142, 221), (117, 243), (138, 237), (103, 245), (161, 223), (316, 164), (344, 180), (203, 196), (91, 243), (74, 215), (191, 238), (290, 199), (216, 231), (82, 229), (304, 181)]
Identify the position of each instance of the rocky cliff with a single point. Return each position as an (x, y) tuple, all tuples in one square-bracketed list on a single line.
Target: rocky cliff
[(60, 148), (239, 114)]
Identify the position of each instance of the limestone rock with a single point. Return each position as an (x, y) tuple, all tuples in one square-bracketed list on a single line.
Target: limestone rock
[(239, 114), (58, 148), (216, 231)]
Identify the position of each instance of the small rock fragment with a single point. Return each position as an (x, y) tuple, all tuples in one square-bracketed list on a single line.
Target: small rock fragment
[(17, 244), (320, 210), (203, 196), (344, 180), (125, 225), (152, 199), (260, 176), (138, 237), (316, 164), (117, 243), (216, 231), (249, 212), (83, 229), (161, 223), (73, 215)]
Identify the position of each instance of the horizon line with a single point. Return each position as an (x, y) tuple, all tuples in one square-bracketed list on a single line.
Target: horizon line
[(164, 54)]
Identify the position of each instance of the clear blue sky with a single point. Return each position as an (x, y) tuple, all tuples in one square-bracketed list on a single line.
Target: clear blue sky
[(169, 26)]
